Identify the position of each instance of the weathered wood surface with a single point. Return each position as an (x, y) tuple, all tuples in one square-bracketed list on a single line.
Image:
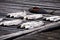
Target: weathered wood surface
[(9, 6)]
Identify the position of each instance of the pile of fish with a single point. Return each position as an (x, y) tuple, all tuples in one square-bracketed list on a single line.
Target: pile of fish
[(24, 15), (31, 24)]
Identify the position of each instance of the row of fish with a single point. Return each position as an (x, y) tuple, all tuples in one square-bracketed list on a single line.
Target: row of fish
[(32, 16), (25, 25), (24, 15)]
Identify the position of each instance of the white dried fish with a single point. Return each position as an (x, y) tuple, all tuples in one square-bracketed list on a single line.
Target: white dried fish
[(12, 22), (34, 16), (17, 15), (32, 24)]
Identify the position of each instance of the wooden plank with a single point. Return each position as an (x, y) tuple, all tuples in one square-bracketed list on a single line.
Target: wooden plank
[(56, 24)]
